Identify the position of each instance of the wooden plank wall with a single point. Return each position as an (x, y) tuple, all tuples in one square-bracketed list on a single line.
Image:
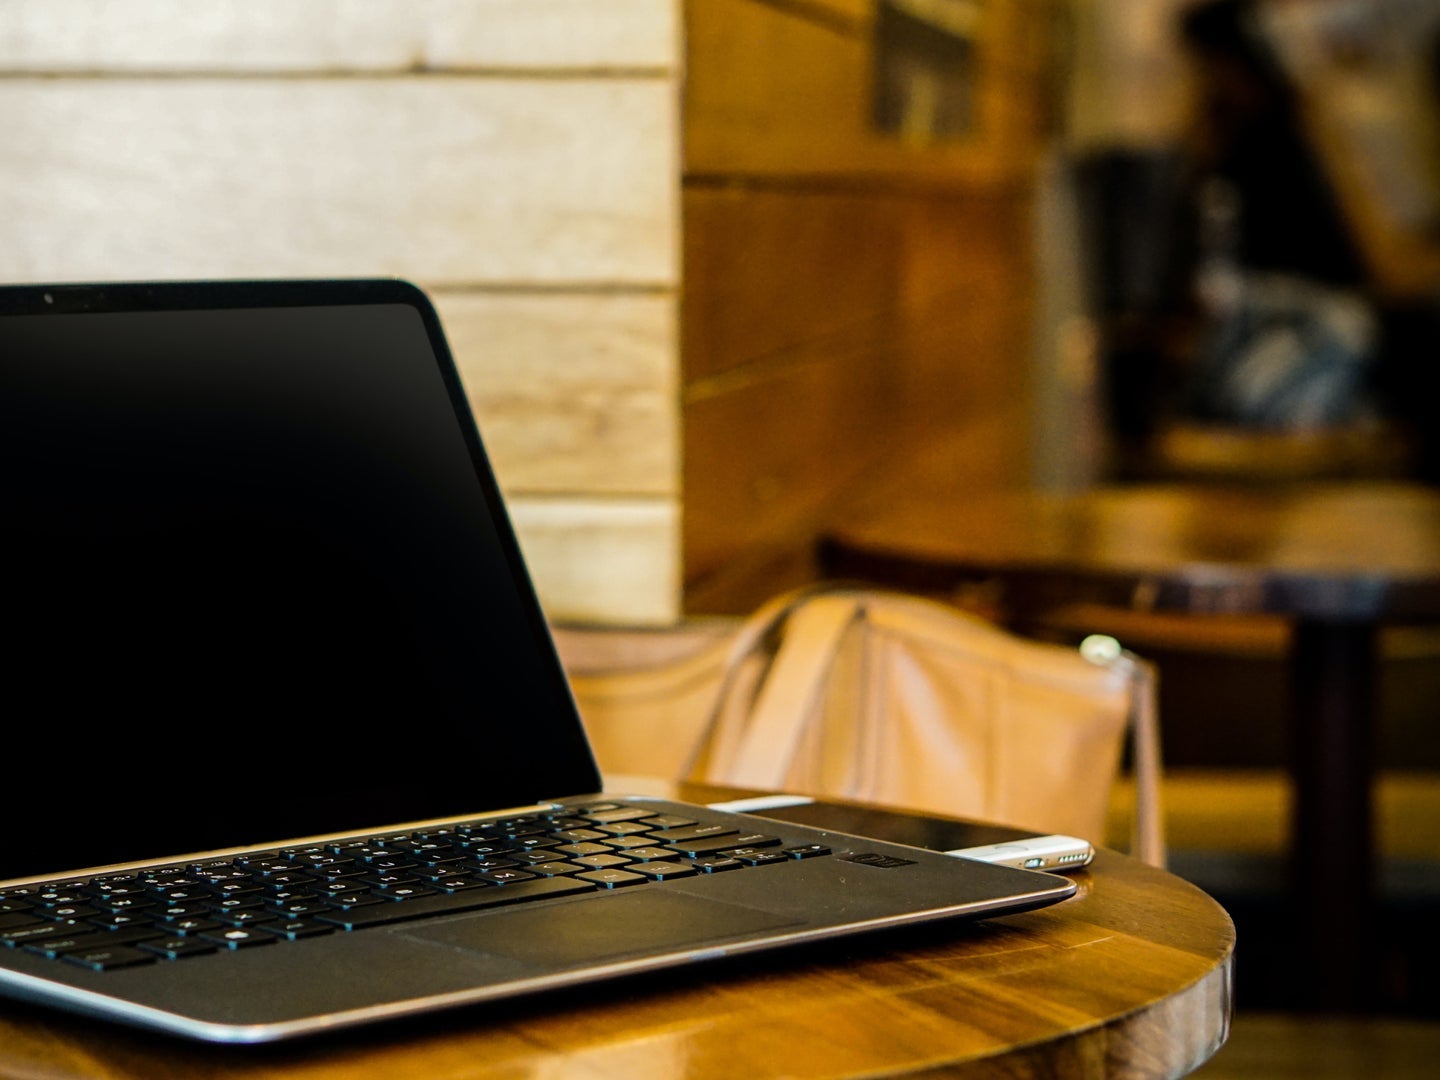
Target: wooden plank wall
[(856, 305), (516, 158)]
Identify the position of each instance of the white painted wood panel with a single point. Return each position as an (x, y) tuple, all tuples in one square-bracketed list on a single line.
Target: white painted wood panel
[(573, 392), (602, 562), (463, 179), (335, 35)]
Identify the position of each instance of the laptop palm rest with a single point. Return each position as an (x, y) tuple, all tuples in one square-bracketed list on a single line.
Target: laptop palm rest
[(551, 937)]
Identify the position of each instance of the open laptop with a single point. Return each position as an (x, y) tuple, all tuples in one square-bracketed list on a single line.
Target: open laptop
[(288, 745)]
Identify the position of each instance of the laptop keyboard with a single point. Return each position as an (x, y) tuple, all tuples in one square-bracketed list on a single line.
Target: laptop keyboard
[(285, 894)]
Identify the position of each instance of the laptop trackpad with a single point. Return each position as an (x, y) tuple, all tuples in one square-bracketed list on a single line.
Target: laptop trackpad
[(561, 935)]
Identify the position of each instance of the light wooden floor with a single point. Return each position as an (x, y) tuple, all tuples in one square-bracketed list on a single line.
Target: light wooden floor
[(1287, 1046)]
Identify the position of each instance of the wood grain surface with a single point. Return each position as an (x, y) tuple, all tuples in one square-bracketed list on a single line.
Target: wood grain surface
[(468, 180), (275, 36), (1130, 978), (1339, 551), (819, 60)]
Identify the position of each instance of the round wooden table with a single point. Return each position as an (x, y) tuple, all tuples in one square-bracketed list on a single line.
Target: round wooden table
[(1337, 560), (1130, 978)]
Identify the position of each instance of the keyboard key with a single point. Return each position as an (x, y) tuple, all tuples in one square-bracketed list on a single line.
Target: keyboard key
[(807, 851), (486, 865), (619, 813), (185, 927), (270, 866), (699, 832), (560, 823), (482, 848), (551, 869), (294, 909), (409, 891), (350, 900), (612, 879), (650, 853), (292, 880), (625, 828), (585, 847), (601, 862), (388, 881), (117, 956), (295, 929), (328, 889), (526, 859), (244, 902), (714, 864), (459, 884), (622, 844), (758, 856), (113, 889), (74, 911), (531, 843), (696, 848), (243, 918), (181, 893), (176, 947), (89, 941), (574, 835), (61, 897), (176, 912), (118, 922), (239, 937), (668, 821), (241, 887)]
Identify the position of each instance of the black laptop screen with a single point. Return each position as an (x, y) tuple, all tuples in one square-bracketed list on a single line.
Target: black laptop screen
[(258, 583)]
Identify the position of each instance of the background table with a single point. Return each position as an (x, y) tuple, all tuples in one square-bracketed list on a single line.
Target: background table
[(1338, 560), (1132, 977)]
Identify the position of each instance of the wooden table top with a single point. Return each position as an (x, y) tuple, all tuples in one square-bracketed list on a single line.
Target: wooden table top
[(1132, 977), (1342, 550)]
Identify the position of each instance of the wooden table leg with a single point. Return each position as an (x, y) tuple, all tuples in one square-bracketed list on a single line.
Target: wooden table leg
[(1333, 870)]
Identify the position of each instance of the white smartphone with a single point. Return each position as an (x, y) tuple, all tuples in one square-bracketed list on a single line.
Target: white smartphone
[(1053, 853), (971, 840)]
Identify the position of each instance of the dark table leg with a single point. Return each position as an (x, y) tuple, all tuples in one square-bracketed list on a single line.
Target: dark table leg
[(1334, 673)]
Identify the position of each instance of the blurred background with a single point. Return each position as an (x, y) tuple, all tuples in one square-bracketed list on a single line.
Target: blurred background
[(717, 271)]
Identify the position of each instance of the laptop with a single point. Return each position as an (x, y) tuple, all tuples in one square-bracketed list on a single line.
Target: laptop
[(289, 746)]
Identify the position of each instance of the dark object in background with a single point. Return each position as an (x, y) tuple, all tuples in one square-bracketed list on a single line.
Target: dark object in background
[(1128, 199), (1248, 132), (1229, 288)]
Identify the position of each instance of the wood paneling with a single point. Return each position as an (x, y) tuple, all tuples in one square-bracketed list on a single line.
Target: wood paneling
[(965, 296), (599, 561), (831, 339), (272, 36), (573, 392), (765, 458), (772, 269), (787, 90), (474, 180), (853, 299)]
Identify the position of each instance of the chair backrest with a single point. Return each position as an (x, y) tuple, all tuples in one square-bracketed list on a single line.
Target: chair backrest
[(873, 695)]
